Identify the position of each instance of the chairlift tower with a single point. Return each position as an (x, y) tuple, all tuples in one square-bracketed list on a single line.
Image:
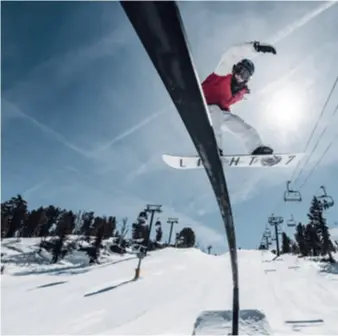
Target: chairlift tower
[(276, 221), (171, 221), (267, 237), (151, 208)]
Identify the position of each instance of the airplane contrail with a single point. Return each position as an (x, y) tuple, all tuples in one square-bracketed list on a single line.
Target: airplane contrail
[(289, 29), (16, 111), (283, 33), (130, 131)]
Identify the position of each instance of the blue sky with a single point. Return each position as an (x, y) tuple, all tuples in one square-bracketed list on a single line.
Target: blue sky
[(85, 117)]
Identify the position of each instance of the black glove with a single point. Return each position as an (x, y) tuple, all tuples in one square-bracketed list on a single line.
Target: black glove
[(264, 48)]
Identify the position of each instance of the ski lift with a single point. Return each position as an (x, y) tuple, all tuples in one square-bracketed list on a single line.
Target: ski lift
[(325, 199), (291, 195), (267, 233), (291, 222)]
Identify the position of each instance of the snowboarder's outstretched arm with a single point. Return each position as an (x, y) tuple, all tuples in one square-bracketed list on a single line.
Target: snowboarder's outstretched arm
[(238, 52)]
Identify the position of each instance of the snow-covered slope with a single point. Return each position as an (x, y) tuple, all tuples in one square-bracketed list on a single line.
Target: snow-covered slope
[(176, 287), (24, 256)]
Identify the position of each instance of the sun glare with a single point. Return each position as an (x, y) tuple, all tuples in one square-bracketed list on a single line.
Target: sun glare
[(285, 108)]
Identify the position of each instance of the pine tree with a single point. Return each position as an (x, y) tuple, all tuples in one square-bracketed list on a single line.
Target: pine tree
[(294, 248), (36, 219), (16, 208), (41, 222), (320, 232), (312, 240), (98, 239), (53, 213), (6, 217), (123, 232), (140, 228), (300, 239), (88, 220), (61, 231), (186, 238), (111, 225), (159, 232), (286, 243), (137, 231)]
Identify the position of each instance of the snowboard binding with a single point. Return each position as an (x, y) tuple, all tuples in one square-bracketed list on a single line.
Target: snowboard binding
[(262, 150)]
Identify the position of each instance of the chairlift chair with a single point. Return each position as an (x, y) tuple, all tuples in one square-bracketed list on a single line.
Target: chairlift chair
[(291, 222), (267, 233), (325, 199), (291, 195)]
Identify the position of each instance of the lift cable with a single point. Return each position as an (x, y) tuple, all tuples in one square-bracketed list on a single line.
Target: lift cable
[(318, 162), (313, 131), (308, 142), (316, 144)]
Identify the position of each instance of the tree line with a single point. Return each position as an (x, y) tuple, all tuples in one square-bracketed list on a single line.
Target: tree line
[(310, 239), (55, 222)]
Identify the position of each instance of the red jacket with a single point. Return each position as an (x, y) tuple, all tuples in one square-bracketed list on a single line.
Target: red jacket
[(217, 91), (217, 86)]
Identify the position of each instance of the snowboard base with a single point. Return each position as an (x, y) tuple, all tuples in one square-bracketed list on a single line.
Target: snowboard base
[(219, 322), (236, 161)]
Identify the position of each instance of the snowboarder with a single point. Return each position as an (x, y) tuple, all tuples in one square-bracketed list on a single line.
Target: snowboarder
[(226, 86)]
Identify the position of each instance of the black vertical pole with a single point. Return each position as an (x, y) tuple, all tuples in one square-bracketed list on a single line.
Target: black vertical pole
[(171, 231), (172, 221), (151, 208), (277, 238), (150, 227)]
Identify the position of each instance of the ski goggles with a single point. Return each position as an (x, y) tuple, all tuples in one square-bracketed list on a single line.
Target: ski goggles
[(243, 73)]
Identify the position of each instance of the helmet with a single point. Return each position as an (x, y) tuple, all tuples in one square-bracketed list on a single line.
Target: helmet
[(244, 69)]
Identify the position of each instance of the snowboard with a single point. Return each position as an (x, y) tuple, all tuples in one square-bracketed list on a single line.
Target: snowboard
[(236, 161)]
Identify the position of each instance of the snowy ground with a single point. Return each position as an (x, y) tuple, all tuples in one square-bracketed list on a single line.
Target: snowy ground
[(177, 288), (24, 257)]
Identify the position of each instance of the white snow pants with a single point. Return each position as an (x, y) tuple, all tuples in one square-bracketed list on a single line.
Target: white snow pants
[(226, 121)]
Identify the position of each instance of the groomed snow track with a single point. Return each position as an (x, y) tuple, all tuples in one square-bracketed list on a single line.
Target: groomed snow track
[(159, 27)]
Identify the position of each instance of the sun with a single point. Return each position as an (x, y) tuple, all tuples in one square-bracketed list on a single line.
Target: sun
[(285, 108)]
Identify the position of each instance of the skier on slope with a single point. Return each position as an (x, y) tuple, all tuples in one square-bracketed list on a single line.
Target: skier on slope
[(226, 86)]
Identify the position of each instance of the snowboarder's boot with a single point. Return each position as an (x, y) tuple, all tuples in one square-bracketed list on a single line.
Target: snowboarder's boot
[(262, 150)]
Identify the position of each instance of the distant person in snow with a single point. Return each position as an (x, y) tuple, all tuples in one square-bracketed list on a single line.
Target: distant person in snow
[(226, 86)]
